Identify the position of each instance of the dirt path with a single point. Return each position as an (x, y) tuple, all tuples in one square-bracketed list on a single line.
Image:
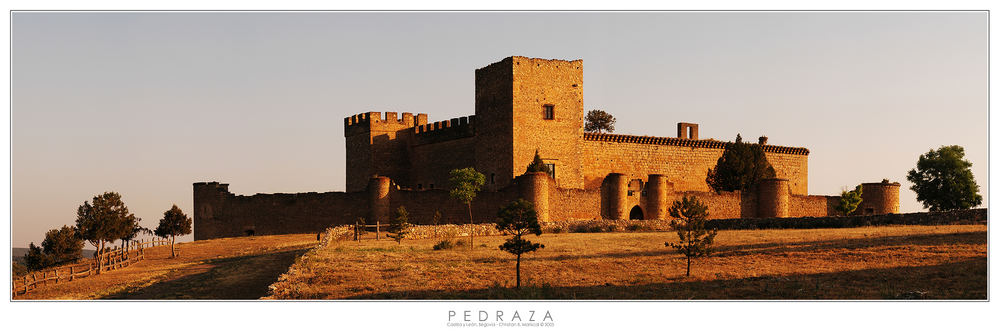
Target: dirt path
[(245, 277)]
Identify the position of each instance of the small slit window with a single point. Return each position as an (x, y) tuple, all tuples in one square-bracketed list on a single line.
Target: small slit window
[(549, 111)]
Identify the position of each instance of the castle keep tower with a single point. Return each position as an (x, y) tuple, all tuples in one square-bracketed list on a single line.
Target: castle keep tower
[(524, 104)]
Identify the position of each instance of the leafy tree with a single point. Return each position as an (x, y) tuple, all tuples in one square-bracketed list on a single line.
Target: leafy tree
[(174, 223), (599, 121), (132, 232), (943, 180), (465, 184), (106, 220), (35, 259), (740, 167), (537, 165), (695, 240), (17, 269), (400, 225), (519, 219), (62, 245), (849, 201)]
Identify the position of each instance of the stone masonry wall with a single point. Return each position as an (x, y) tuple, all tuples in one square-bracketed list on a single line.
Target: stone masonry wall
[(219, 213), (684, 166), (432, 163), (559, 84), (574, 204)]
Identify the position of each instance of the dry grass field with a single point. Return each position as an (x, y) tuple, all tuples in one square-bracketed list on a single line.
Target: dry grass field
[(894, 262), (228, 268)]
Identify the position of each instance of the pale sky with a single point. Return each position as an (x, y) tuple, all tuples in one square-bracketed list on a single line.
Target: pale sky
[(147, 103)]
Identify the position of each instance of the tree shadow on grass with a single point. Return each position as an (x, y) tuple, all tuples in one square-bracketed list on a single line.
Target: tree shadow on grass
[(245, 277), (963, 280), (958, 238)]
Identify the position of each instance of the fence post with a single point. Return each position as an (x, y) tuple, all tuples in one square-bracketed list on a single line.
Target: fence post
[(378, 229), (71, 273), (25, 284), (57, 275)]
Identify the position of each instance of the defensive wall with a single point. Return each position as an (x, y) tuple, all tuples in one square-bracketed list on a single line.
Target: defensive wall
[(220, 213)]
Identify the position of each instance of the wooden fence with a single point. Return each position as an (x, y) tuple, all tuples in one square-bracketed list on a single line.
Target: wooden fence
[(112, 259), (361, 229)]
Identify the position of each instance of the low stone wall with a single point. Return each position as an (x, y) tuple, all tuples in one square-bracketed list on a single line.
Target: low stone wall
[(968, 216), (346, 232), (605, 226)]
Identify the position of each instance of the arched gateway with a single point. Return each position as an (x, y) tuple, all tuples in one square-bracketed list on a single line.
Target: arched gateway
[(635, 214)]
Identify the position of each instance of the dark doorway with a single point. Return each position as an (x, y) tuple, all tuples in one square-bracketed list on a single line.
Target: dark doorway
[(635, 214), (249, 232)]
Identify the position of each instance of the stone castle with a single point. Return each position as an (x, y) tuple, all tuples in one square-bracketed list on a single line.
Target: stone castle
[(522, 105)]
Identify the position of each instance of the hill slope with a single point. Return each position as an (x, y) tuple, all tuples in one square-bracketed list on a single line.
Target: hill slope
[(227, 268)]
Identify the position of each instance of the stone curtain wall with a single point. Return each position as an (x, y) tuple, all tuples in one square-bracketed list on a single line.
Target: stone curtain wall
[(433, 162), (812, 205), (219, 213), (723, 205), (684, 162), (573, 204)]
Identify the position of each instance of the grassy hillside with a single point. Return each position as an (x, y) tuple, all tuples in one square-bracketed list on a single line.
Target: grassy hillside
[(228, 268), (895, 262)]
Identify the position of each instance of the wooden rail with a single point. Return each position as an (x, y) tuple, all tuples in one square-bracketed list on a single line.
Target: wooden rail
[(112, 259), (359, 229)]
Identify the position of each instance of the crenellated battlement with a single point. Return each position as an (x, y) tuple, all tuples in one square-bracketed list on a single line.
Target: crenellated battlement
[(212, 186), (383, 121), (682, 142), (451, 129)]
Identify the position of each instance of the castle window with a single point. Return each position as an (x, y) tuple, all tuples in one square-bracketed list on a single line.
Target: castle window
[(493, 178), (552, 169), (432, 186), (550, 111), (420, 186)]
